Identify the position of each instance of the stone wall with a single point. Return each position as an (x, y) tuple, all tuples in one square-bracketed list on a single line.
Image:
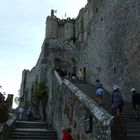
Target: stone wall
[(108, 33), (111, 50), (52, 51), (71, 107), (107, 44)]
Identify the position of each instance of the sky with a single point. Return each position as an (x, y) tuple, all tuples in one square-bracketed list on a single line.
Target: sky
[(22, 31)]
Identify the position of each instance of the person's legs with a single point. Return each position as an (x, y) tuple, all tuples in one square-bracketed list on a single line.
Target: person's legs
[(135, 111), (118, 113), (113, 111), (100, 99), (97, 98), (29, 117), (119, 110)]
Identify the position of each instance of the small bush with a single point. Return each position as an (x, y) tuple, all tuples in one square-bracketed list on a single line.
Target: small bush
[(40, 91)]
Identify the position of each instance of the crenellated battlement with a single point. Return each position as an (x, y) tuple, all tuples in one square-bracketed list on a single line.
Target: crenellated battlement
[(57, 28), (70, 28)]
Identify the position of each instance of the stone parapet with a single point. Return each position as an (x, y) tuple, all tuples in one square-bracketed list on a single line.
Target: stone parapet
[(73, 108), (100, 114)]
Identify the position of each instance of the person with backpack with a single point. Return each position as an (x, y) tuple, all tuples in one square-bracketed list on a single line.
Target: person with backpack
[(117, 101)]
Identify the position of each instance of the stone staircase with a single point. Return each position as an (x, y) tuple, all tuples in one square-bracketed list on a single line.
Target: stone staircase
[(133, 125), (32, 131)]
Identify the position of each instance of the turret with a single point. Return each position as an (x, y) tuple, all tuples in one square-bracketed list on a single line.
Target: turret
[(69, 29), (51, 26), (79, 26), (91, 9)]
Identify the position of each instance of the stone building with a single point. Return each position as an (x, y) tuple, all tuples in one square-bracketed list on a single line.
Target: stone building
[(104, 38)]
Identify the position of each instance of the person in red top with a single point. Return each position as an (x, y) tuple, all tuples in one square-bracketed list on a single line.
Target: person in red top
[(66, 134), (63, 133)]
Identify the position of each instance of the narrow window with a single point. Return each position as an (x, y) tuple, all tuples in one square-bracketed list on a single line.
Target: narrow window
[(96, 10), (98, 69), (114, 69)]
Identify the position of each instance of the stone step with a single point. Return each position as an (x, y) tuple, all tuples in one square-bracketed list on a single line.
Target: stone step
[(32, 131), (133, 126), (134, 136), (26, 124), (31, 122), (133, 131), (33, 137), (30, 139)]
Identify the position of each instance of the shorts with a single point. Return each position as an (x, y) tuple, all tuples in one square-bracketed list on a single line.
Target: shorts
[(114, 110), (97, 95)]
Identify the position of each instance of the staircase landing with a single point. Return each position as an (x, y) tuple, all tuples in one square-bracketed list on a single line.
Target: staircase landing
[(26, 130)]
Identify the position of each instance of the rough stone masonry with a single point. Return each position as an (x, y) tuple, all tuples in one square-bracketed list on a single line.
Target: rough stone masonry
[(103, 38)]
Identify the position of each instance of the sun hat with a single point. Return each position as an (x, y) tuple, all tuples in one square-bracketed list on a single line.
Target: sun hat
[(133, 89), (115, 87)]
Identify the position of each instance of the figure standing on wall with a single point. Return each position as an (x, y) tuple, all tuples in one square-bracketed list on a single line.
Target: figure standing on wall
[(52, 13), (117, 101)]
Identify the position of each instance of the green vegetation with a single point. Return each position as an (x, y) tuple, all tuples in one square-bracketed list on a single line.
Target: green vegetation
[(21, 99), (40, 91)]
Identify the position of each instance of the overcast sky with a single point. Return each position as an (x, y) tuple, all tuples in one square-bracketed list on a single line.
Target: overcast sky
[(22, 31)]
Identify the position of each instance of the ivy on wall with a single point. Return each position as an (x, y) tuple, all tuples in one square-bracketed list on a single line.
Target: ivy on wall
[(40, 91)]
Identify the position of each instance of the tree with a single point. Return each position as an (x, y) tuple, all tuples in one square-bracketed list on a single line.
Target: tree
[(40, 96)]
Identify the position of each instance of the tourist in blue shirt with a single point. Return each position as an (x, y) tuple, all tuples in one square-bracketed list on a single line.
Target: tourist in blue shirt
[(99, 92), (99, 95)]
